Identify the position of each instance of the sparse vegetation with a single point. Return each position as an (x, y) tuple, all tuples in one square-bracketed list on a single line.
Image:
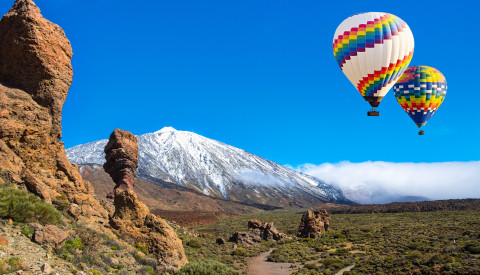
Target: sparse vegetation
[(10, 265), (94, 250), (209, 267), (446, 242), (21, 206)]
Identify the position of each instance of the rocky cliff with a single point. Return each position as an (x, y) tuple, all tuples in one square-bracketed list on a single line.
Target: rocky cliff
[(35, 76)]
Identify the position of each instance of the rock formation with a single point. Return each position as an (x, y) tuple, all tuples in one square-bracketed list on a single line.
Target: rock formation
[(313, 224), (35, 76), (122, 158), (132, 220), (256, 233), (35, 57)]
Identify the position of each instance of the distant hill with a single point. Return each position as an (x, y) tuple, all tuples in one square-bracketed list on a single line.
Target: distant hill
[(398, 207)]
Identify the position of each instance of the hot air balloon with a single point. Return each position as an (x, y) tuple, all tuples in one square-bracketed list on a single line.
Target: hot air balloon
[(373, 49), (420, 91)]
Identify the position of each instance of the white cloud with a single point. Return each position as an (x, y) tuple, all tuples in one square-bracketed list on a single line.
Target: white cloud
[(250, 176), (382, 182)]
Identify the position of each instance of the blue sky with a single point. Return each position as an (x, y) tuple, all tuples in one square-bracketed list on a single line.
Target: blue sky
[(261, 76)]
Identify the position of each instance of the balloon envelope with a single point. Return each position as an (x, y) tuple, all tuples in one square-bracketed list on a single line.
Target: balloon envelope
[(420, 91), (373, 49)]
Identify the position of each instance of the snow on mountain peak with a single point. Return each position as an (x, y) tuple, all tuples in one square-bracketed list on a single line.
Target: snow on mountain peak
[(166, 129)]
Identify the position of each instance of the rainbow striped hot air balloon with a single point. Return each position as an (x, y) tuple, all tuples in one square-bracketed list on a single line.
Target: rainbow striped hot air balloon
[(420, 91), (373, 49)]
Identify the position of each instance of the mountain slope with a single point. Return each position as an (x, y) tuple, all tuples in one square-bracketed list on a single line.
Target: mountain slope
[(216, 169), (157, 197)]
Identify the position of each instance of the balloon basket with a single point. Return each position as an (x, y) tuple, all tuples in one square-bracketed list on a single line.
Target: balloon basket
[(421, 132), (373, 112)]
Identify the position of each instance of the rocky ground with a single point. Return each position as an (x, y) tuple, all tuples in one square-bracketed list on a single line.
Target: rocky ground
[(32, 258)]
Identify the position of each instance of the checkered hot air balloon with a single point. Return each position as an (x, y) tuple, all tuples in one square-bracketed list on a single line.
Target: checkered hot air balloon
[(373, 49), (420, 91)]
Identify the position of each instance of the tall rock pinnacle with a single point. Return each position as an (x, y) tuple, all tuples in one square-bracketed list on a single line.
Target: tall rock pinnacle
[(132, 220), (35, 57), (121, 155)]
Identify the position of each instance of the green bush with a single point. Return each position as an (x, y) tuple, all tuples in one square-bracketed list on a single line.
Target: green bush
[(333, 262), (473, 247), (70, 247), (194, 243), (28, 231), (341, 252), (21, 206), (240, 252), (209, 267), (142, 247)]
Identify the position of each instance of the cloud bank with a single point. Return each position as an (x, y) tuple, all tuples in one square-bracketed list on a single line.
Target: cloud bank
[(383, 182)]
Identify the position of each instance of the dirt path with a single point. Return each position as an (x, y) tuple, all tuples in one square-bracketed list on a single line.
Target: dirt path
[(259, 266), (348, 268)]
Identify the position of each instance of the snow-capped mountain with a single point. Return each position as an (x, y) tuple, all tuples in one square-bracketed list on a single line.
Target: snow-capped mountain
[(216, 169)]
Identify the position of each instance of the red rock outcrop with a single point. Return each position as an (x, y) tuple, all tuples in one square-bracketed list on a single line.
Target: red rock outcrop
[(121, 155), (256, 233), (313, 224), (35, 76), (132, 220)]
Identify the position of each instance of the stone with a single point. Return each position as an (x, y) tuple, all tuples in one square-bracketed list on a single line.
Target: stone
[(46, 268), (3, 240), (115, 261), (313, 224), (140, 255), (48, 235), (35, 76), (220, 241), (83, 266), (256, 233)]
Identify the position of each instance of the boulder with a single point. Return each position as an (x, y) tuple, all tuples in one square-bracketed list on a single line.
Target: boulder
[(46, 268), (256, 233), (3, 240), (313, 224), (48, 235)]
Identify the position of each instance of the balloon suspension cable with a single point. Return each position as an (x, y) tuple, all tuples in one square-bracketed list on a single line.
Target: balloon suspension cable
[(421, 132), (373, 112)]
